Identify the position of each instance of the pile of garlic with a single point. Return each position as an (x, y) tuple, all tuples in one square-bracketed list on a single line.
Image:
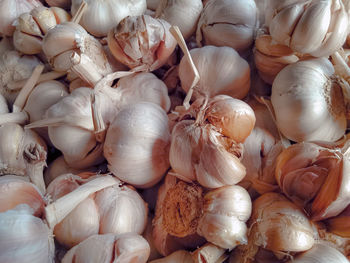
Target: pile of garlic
[(174, 131)]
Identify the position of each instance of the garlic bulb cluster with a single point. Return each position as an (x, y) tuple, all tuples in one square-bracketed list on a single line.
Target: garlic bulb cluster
[(181, 13), (315, 177), (101, 16), (12, 9), (207, 147), (221, 71), (308, 102), (318, 28), (128, 247), (32, 27), (137, 144), (142, 42), (228, 23)]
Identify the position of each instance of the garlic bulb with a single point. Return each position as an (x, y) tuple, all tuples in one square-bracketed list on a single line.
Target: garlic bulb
[(60, 3), (320, 253), (3, 105), (315, 177), (318, 28), (101, 16), (136, 144), (221, 71), (339, 225), (11, 9), (25, 237), (32, 27), (181, 13), (227, 23), (297, 91), (142, 42), (128, 247)]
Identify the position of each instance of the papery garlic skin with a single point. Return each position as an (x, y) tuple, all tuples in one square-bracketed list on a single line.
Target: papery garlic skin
[(101, 16), (181, 13), (318, 28), (24, 237), (308, 104), (221, 71), (11, 9), (128, 247), (136, 144), (227, 23), (142, 42)]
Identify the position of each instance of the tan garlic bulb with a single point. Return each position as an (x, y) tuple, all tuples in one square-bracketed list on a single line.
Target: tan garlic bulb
[(207, 147), (25, 237), (308, 102), (339, 225), (228, 23), (221, 71), (12, 9), (137, 144), (14, 67), (32, 27), (59, 3), (318, 28), (142, 42), (3, 105), (128, 247), (101, 16), (315, 177), (181, 13)]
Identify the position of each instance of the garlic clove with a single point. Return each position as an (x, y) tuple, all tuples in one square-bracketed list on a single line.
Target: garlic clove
[(209, 253), (177, 256), (27, 44)]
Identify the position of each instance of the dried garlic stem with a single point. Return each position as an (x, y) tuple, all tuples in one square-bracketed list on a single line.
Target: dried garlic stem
[(77, 17), (58, 210), (175, 31), (99, 125)]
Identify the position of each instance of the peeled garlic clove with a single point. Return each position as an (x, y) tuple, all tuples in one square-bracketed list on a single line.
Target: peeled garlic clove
[(227, 23), (129, 247), (177, 256), (226, 73), (24, 237), (301, 86), (142, 41), (136, 144), (184, 14), (101, 16)]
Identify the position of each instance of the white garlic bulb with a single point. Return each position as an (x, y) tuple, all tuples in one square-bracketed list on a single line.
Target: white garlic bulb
[(308, 102), (181, 13), (221, 71), (229, 23), (128, 247), (136, 144), (318, 28), (101, 16)]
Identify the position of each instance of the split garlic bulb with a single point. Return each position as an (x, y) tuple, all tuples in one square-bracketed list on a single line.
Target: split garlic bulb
[(318, 28), (136, 144), (181, 13), (221, 71), (229, 23), (11, 9), (24, 237), (315, 177), (101, 16), (142, 42), (128, 247), (308, 102), (32, 27)]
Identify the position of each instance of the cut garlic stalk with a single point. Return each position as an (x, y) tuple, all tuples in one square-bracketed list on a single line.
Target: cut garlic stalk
[(128, 247)]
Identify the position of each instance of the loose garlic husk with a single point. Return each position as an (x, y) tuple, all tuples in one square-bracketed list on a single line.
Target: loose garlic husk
[(221, 71), (297, 90), (32, 27), (318, 28), (128, 247), (315, 177), (142, 42), (101, 16), (227, 23), (181, 13), (24, 237), (10, 10), (136, 144), (60, 3)]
